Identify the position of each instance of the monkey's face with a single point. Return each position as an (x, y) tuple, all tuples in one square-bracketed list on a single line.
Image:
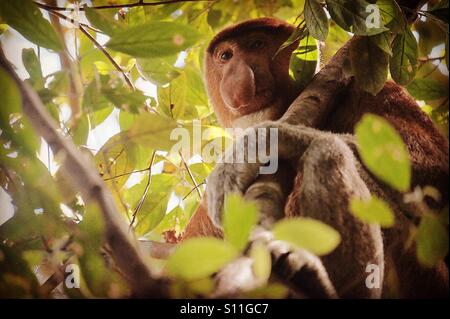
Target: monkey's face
[(244, 76)]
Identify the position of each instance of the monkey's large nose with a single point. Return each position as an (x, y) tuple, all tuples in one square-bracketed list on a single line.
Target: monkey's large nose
[(238, 85)]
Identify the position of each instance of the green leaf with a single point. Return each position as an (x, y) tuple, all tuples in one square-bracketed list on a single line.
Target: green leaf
[(369, 64), (200, 257), (81, 131), (440, 11), (341, 12), (99, 279), (154, 206), (16, 278), (238, 220), (373, 211), (93, 99), (383, 151), (427, 89), (337, 37), (270, 291), (303, 62), (262, 261), (351, 15), (125, 99), (20, 132), (115, 159), (432, 241), (33, 67), (403, 63), (298, 34), (152, 130), (96, 118), (185, 94), (27, 19), (177, 220), (154, 39), (316, 19), (159, 71), (307, 233), (392, 15), (383, 41), (101, 21)]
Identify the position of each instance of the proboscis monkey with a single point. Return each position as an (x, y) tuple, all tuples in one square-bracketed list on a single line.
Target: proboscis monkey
[(249, 87)]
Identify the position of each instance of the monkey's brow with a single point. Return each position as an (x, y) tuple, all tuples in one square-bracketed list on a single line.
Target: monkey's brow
[(243, 38)]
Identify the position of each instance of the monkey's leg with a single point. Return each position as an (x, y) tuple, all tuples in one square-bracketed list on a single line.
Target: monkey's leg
[(330, 180)]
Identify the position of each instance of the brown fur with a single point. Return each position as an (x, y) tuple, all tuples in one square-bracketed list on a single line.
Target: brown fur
[(427, 147)]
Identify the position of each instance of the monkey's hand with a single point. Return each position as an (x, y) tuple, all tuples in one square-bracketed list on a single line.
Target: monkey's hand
[(241, 165)]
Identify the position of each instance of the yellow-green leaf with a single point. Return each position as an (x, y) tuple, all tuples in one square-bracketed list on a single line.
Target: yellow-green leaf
[(432, 241), (200, 257), (152, 130), (153, 39), (383, 151), (262, 261), (307, 233), (27, 19), (238, 220), (101, 21), (373, 211)]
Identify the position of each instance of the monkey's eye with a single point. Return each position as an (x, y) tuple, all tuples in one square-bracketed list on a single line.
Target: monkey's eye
[(257, 44), (226, 55)]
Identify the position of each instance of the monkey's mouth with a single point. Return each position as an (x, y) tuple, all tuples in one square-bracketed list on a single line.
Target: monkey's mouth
[(263, 99)]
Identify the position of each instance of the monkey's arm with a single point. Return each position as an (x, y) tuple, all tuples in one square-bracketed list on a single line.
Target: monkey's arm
[(330, 180)]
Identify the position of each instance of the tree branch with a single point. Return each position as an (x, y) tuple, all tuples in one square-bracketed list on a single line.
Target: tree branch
[(316, 101), (86, 179), (119, 6)]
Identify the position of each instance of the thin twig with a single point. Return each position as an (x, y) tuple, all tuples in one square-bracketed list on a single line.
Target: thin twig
[(109, 57), (118, 6), (81, 27), (73, 21), (147, 187), (125, 174), (113, 185), (190, 192), (191, 176), (427, 59)]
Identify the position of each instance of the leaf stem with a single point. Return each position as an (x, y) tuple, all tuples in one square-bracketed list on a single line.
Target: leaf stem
[(147, 187), (191, 176)]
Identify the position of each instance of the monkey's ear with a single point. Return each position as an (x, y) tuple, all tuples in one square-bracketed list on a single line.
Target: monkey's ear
[(303, 63)]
